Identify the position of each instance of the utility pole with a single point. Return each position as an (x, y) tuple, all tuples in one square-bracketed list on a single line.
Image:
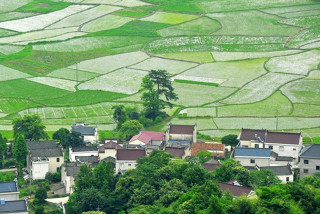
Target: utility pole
[(28, 105)]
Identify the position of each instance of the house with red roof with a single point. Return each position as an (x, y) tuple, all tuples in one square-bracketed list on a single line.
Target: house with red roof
[(216, 149), (147, 139)]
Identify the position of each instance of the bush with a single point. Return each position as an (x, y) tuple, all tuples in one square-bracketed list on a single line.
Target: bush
[(6, 176), (8, 163), (53, 177), (39, 210), (41, 195)]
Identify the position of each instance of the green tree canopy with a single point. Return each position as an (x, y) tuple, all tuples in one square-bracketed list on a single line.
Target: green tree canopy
[(20, 151), (3, 148), (204, 156), (30, 126), (61, 135), (73, 139), (264, 177), (41, 195), (119, 115), (130, 128), (230, 140)]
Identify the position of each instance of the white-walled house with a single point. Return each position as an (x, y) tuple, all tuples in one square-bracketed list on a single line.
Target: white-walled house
[(309, 160), (284, 145), (88, 133), (9, 191), (68, 175), (82, 151), (284, 173), (109, 149), (43, 157), (252, 156), (127, 159)]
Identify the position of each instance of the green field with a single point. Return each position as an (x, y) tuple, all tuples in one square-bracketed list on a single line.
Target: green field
[(234, 64)]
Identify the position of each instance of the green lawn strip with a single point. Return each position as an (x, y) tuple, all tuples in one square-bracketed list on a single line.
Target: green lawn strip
[(200, 57), (137, 12), (203, 123), (133, 28), (273, 105), (305, 110), (103, 134), (69, 121), (15, 15), (189, 6), (84, 97), (5, 32), (196, 82), (220, 132), (22, 88), (72, 74), (12, 105), (43, 6), (305, 21)]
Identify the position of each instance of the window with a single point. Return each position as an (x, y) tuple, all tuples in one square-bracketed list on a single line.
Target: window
[(256, 146), (294, 149), (58, 169), (271, 147), (252, 161), (317, 167), (281, 148), (306, 161), (58, 160), (129, 164), (287, 179), (305, 171)]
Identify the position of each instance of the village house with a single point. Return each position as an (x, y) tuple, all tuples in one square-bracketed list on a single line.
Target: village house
[(147, 139), (9, 191), (284, 173), (285, 146), (43, 157), (216, 149), (69, 173), (186, 134), (211, 165), (82, 151), (14, 207), (88, 133), (127, 159), (177, 152), (252, 156), (235, 189), (309, 160), (108, 152)]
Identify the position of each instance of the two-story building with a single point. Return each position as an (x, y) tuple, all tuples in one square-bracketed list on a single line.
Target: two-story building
[(147, 139), (309, 160), (82, 151), (69, 173), (127, 159), (9, 191), (43, 157), (88, 133), (9, 199), (284, 173), (252, 156), (181, 133)]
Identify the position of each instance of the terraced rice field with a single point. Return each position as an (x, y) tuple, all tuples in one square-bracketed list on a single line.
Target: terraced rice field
[(234, 64)]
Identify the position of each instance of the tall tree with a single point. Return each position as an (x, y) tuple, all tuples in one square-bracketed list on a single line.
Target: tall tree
[(20, 151), (230, 140), (61, 135), (73, 139), (157, 84), (119, 115), (130, 128), (265, 177), (204, 156), (3, 147), (30, 126)]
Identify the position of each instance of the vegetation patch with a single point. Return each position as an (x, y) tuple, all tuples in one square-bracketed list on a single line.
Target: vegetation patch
[(137, 12), (72, 74), (43, 6), (200, 57), (197, 82), (169, 18), (306, 36), (304, 21), (9, 74), (106, 23), (55, 82)]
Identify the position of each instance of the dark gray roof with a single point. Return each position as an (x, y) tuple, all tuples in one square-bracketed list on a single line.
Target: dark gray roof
[(279, 170), (181, 129), (46, 152), (50, 144), (130, 154), (83, 129), (252, 134), (88, 159), (8, 187), (176, 152), (84, 149), (250, 168), (251, 152), (283, 137), (312, 151), (44, 149), (14, 207), (72, 169), (284, 158)]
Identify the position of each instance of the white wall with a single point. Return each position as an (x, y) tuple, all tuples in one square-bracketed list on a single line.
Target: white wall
[(91, 138), (137, 142), (311, 166), (125, 165), (10, 196), (39, 169), (180, 137), (288, 150), (73, 155), (245, 161), (54, 164), (108, 153), (283, 178)]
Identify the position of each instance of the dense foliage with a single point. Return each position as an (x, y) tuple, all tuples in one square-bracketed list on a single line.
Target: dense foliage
[(162, 185)]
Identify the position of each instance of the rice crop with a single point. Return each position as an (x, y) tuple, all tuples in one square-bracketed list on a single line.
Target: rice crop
[(55, 82)]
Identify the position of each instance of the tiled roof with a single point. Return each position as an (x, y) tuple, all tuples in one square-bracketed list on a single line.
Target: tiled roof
[(72, 169), (87, 159), (210, 165), (14, 207), (283, 137), (311, 151), (251, 152), (235, 190), (84, 149), (252, 134), (109, 145), (10, 186), (147, 136), (130, 154), (176, 152), (49, 144), (181, 129), (84, 129), (197, 147), (279, 170)]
